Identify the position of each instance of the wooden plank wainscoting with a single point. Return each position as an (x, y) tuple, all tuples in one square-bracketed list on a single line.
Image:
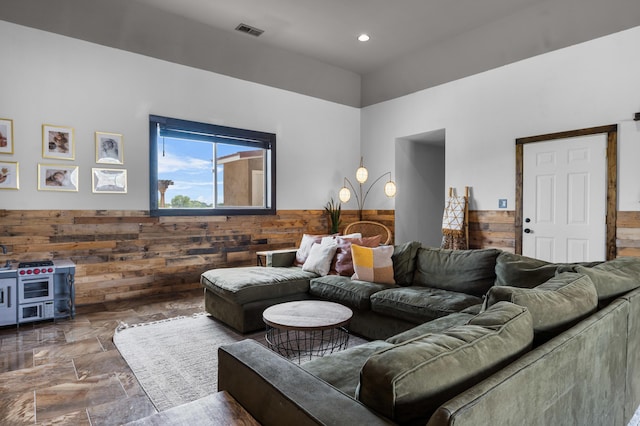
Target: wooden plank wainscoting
[(127, 254), (492, 229), (122, 254), (628, 234)]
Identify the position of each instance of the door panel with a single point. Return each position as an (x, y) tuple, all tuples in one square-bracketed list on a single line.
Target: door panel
[(577, 250), (544, 248), (578, 201), (564, 199), (545, 199)]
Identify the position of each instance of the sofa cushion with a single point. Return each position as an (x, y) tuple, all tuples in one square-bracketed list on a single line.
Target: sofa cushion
[(420, 304), (255, 283), (614, 277), (344, 290), (373, 264), (409, 381), (463, 271), (515, 270), (435, 326), (555, 304), (343, 261), (342, 369), (404, 262), (473, 310)]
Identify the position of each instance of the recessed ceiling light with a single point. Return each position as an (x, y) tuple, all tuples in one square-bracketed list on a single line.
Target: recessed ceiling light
[(363, 37)]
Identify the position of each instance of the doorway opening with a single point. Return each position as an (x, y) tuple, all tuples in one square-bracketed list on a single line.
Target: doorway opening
[(420, 172)]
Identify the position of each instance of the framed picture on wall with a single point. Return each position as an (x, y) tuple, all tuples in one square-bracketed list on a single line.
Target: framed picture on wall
[(109, 181), (9, 178), (58, 142), (109, 148), (57, 177), (6, 136)]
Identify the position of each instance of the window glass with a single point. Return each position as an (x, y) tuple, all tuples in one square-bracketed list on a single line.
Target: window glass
[(200, 169)]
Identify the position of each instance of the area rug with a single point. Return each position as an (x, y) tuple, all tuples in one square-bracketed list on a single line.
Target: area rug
[(176, 360)]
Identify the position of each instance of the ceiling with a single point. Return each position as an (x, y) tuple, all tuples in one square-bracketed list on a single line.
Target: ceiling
[(310, 46), (327, 30)]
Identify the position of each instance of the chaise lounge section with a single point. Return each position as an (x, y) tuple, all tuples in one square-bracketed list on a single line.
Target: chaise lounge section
[(238, 296)]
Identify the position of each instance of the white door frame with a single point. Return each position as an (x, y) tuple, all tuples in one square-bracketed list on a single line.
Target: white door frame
[(612, 180)]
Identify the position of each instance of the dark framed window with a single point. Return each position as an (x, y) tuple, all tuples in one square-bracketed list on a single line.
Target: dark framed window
[(202, 169)]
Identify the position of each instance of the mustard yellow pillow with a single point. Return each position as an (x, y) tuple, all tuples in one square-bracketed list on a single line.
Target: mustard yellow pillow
[(373, 264)]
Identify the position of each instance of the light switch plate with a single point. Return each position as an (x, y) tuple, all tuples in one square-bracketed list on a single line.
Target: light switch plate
[(502, 203)]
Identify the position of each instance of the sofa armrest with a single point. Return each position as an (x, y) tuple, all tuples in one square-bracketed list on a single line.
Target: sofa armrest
[(280, 257), (276, 391)]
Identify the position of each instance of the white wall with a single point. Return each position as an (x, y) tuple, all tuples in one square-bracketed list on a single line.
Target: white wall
[(590, 84), (52, 79)]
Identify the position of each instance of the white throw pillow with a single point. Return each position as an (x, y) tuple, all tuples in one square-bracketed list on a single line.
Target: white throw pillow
[(335, 236), (305, 246), (354, 235), (320, 257), (327, 239)]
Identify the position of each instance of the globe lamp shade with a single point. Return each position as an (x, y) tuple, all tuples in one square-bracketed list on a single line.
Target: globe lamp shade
[(344, 194), (362, 174), (390, 189)]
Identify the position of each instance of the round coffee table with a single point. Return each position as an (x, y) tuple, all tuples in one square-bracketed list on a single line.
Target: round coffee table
[(307, 329)]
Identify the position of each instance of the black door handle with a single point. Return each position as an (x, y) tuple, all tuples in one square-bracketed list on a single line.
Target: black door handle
[(527, 231)]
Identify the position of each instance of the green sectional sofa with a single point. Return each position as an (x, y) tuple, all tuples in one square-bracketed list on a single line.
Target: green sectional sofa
[(430, 283), (509, 341)]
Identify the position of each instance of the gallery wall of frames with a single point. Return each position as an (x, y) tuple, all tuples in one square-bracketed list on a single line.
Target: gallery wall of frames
[(56, 171)]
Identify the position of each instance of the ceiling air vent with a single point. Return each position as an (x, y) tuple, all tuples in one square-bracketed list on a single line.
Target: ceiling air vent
[(244, 28)]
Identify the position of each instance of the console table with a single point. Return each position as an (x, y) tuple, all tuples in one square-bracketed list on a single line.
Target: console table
[(262, 256)]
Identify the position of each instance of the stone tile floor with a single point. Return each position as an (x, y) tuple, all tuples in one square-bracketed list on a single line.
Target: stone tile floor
[(69, 371)]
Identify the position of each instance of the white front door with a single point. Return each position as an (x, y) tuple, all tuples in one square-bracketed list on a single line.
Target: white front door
[(564, 199)]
